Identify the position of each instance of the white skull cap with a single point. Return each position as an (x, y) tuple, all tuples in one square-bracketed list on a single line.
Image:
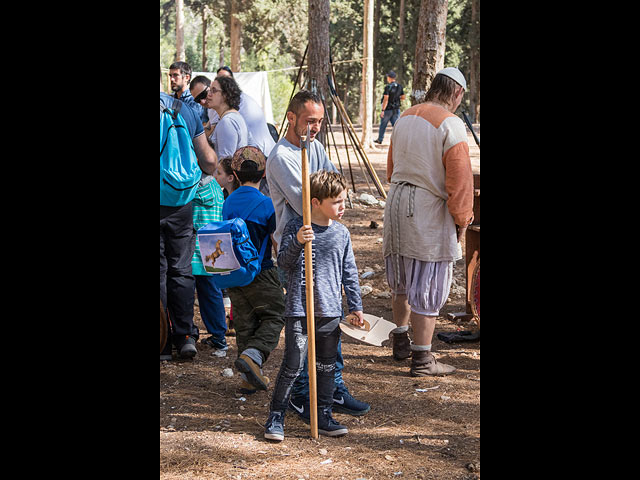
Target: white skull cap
[(455, 74)]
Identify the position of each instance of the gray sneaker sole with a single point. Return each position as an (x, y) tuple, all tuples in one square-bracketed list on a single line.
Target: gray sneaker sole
[(188, 351), (274, 436), (333, 433)]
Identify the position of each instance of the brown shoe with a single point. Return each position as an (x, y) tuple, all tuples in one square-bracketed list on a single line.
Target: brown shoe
[(248, 389), (252, 371), (401, 344), (423, 363)]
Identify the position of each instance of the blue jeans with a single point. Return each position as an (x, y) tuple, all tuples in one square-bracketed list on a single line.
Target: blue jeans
[(389, 115), (211, 305)]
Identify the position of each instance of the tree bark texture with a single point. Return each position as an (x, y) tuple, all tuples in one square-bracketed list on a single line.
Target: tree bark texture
[(180, 56), (474, 74), (204, 40), (430, 46), (235, 37), (318, 55), (367, 75)]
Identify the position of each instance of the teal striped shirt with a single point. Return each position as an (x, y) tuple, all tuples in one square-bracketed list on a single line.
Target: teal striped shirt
[(207, 208)]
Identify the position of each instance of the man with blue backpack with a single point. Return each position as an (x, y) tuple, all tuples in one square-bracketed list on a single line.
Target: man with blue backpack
[(184, 155)]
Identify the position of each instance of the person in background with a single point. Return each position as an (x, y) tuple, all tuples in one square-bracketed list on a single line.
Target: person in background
[(391, 97), (207, 208), (231, 131), (179, 78), (258, 308), (284, 175), (177, 244), (429, 206), (199, 87)]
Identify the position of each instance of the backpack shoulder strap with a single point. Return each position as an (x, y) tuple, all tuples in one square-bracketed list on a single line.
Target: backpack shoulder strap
[(177, 105)]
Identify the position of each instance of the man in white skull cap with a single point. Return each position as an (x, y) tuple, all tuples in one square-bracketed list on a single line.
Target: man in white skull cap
[(429, 206)]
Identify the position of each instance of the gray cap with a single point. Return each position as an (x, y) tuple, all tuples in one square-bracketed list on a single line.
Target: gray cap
[(455, 74)]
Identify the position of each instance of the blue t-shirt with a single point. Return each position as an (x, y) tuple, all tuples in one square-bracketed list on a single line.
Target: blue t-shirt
[(261, 222), (187, 98), (190, 117)]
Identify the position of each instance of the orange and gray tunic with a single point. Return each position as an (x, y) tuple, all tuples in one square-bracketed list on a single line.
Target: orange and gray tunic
[(429, 168)]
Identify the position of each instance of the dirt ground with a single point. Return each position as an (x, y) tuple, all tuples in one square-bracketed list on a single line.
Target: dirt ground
[(209, 430)]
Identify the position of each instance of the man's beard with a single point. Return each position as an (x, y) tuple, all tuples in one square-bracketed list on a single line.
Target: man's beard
[(303, 133)]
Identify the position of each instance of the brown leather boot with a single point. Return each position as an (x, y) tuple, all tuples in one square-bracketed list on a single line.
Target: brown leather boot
[(401, 344), (423, 363)]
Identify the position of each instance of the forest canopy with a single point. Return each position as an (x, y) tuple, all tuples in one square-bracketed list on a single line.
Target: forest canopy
[(274, 33)]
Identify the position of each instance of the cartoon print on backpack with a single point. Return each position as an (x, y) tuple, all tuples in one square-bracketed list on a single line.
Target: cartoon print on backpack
[(215, 254)]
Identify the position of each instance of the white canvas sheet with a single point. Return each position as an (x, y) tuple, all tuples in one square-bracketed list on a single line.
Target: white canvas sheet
[(255, 84)]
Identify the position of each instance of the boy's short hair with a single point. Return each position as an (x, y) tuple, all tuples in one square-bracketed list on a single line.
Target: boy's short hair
[(324, 184), (249, 164)]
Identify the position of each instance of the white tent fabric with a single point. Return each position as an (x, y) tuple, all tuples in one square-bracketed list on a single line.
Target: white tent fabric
[(255, 84)]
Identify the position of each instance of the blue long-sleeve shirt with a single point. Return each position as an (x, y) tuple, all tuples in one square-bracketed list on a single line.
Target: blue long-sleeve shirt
[(334, 267)]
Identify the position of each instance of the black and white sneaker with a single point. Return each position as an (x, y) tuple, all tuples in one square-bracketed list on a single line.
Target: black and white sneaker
[(328, 426), (343, 402), (301, 407)]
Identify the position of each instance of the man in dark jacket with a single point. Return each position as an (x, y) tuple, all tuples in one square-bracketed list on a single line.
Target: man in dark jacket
[(391, 98)]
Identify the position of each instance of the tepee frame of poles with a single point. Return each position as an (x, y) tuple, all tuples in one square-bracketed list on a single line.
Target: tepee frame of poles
[(351, 141)]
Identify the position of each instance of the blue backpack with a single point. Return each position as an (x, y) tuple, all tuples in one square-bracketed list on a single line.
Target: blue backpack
[(179, 170), (227, 250)]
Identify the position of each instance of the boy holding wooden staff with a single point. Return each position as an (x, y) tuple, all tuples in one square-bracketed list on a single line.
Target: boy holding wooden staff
[(333, 268)]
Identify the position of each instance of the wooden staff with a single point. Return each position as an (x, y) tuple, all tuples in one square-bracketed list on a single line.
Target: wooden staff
[(308, 271)]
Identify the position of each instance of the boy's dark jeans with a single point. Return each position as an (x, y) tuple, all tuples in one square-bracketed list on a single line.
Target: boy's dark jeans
[(177, 244), (295, 353)]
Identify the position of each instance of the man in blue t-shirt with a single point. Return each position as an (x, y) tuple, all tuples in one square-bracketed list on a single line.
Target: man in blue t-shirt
[(180, 78), (177, 244)]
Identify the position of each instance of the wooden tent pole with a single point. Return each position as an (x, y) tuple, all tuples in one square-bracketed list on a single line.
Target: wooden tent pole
[(308, 270)]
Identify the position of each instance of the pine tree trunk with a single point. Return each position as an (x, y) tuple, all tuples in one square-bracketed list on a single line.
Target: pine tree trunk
[(367, 75), (401, 41), (474, 74), (318, 55), (430, 46), (204, 40), (235, 36), (180, 56)]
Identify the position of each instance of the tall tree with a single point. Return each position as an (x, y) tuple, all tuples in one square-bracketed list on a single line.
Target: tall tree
[(235, 36), (474, 71), (430, 46), (180, 55), (401, 41), (318, 55), (367, 75)]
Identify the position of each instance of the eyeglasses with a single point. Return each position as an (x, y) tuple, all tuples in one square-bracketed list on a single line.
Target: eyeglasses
[(214, 90), (202, 95)]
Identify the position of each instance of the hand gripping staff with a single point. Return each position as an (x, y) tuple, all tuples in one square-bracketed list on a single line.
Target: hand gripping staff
[(308, 270)]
